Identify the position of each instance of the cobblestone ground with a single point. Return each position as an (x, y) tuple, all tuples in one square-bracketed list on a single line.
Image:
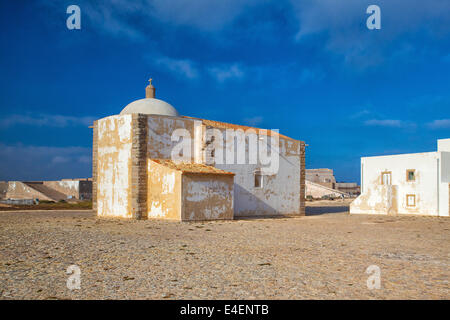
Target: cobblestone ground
[(321, 256)]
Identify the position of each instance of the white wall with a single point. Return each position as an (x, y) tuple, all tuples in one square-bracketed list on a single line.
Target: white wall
[(375, 196), (280, 193), (444, 145)]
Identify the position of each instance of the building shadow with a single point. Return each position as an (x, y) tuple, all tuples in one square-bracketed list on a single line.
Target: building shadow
[(315, 211), (261, 210)]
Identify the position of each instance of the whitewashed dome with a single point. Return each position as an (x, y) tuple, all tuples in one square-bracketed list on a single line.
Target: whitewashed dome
[(150, 105)]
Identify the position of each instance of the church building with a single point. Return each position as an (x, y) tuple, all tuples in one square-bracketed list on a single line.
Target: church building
[(151, 162)]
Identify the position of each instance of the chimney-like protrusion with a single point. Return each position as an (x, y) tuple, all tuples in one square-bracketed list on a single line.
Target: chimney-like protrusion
[(150, 90)]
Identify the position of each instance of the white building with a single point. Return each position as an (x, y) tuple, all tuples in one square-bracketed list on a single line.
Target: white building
[(416, 183), (151, 162)]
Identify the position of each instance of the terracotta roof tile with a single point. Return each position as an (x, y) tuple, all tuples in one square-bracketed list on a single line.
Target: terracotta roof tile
[(190, 167), (224, 125)]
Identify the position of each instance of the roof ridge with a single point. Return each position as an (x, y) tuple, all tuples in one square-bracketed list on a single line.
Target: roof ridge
[(190, 167), (231, 125)]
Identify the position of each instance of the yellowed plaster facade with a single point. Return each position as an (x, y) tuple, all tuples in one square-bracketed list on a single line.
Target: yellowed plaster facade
[(164, 192), (207, 197), (188, 192), (113, 177)]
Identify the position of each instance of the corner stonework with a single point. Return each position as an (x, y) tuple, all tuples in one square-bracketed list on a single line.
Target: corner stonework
[(302, 178), (139, 174), (94, 165)]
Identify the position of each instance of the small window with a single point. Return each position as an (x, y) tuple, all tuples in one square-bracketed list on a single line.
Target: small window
[(411, 175), (259, 180), (410, 200), (386, 178)]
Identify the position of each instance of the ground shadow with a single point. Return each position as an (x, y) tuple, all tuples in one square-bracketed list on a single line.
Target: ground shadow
[(314, 211)]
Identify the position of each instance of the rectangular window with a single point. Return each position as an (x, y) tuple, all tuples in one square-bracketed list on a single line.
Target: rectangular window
[(259, 180), (411, 175), (410, 200), (386, 178)]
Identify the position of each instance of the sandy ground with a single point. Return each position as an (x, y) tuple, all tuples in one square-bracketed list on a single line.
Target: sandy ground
[(320, 256)]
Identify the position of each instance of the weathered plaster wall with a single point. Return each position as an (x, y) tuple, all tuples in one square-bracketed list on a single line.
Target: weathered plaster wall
[(114, 166), (207, 197), (380, 199), (164, 192), (160, 129), (282, 192)]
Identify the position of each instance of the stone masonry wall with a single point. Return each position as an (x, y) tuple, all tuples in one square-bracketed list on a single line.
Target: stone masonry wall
[(139, 166), (302, 178), (94, 165)]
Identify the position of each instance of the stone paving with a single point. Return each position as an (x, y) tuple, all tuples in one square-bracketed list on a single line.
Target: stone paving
[(321, 256)]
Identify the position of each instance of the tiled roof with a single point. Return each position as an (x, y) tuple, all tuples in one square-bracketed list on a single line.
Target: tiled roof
[(224, 125), (190, 167)]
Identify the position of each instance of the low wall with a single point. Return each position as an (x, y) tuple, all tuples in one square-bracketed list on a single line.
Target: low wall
[(19, 190), (318, 191)]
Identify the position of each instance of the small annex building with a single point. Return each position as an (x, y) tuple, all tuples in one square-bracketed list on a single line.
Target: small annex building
[(413, 184), (189, 191)]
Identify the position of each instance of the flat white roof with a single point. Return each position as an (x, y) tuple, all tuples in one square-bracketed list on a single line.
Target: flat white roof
[(400, 155)]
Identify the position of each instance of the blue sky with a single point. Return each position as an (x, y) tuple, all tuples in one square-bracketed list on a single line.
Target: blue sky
[(309, 68)]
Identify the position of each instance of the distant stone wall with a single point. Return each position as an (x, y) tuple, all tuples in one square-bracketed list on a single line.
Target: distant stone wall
[(76, 188), (19, 190), (68, 187), (318, 191), (321, 176), (349, 187)]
